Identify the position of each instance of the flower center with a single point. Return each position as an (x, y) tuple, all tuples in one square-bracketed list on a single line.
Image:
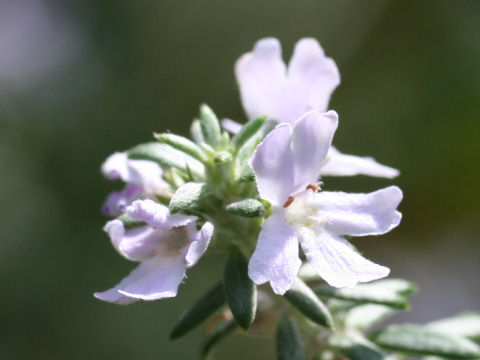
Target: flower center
[(301, 210), (173, 243)]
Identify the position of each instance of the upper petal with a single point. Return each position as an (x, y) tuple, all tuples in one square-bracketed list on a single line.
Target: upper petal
[(312, 77), (276, 256), (261, 77), (335, 260), (157, 215), (156, 278), (136, 244), (115, 167), (339, 164), (273, 164), (199, 244), (118, 201), (360, 214), (311, 140)]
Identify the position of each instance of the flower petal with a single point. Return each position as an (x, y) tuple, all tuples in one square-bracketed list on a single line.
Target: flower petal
[(118, 201), (147, 174), (157, 215), (276, 257), (360, 214), (273, 164), (136, 244), (339, 164), (335, 260), (153, 279), (312, 78), (115, 167), (261, 77), (199, 244), (311, 139), (231, 126)]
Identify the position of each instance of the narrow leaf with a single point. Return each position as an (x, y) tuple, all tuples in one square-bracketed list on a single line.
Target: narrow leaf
[(201, 310), (356, 347), (188, 195), (374, 293), (220, 331), (240, 291), (305, 300), (418, 340), (249, 208), (210, 126), (183, 144), (289, 342), (196, 132), (247, 131), (466, 324), (167, 156), (363, 317)]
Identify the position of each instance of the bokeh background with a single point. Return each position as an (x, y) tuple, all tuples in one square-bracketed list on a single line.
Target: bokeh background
[(80, 80)]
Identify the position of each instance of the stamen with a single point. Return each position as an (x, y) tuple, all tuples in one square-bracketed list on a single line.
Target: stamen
[(289, 201), (314, 187)]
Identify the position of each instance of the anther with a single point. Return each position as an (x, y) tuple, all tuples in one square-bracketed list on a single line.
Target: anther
[(314, 188), (289, 201)]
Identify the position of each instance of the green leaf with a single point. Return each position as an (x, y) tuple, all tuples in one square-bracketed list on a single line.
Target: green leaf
[(188, 195), (196, 132), (289, 342), (356, 347), (418, 340), (363, 317), (167, 156), (466, 324), (382, 292), (219, 332), (249, 208), (210, 126), (240, 291), (201, 310), (183, 144), (247, 131), (304, 299)]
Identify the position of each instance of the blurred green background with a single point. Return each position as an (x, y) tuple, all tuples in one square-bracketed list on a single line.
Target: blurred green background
[(80, 80)]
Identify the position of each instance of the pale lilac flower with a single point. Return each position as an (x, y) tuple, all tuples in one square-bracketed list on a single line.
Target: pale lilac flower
[(165, 247), (268, 87), (287, 165), (143, 179)]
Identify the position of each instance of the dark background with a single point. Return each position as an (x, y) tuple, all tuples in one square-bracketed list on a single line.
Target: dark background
[(80, 80)]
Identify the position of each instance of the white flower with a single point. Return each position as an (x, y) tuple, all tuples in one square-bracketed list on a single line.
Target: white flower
[(165, 247), (143, 179), (268, 87), (287, 165)]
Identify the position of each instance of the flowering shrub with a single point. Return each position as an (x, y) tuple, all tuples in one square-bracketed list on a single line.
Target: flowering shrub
[(254, 191)]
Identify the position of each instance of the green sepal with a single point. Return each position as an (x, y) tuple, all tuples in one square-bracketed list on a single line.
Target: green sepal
[(240, 291), (304, 299), (465, 324), (220, 331), (201, 310), (391, 292), (419, 340), (167, 156), (289, 341), (249, 208), (183, 144), (355, 347), (222, 157), (188, 196), (363, 317), (210, 126), (247, 131), (196, 132), (128, 222)]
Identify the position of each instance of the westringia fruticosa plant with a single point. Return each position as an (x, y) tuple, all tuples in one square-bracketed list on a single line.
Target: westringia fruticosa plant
[(253, 192)]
